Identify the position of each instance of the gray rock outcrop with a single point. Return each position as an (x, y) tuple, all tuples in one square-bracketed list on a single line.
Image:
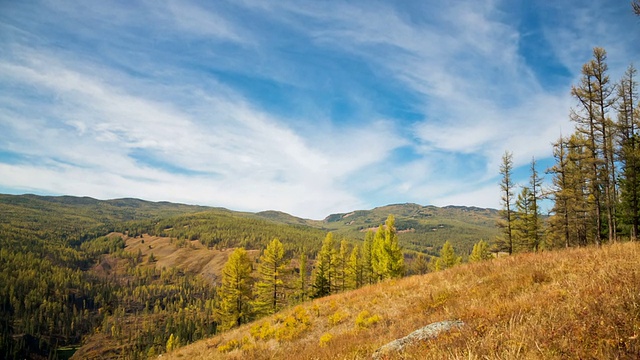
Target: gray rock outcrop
[(428, 332)]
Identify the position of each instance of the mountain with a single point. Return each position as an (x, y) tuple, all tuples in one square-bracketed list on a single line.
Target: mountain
[(581, 303)]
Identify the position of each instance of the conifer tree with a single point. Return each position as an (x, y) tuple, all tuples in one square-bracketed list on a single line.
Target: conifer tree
[(367, 258), (302, 280), (505, 241), (594, 100), (235, 292), (341, 266), (378, 255), (629, 154), (535, 222), (270, 289), (324, 274), (394, 251), (480, 252), (572, 218), (354, 269), (172, 343), (448, 257), (420, 265), (387, 259)]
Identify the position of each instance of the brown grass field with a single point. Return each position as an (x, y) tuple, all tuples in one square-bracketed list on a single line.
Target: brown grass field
[(191, 256), (570, 304)]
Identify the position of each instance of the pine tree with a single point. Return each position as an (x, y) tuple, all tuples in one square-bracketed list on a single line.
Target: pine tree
[(448, 257), (270, 289), (324, 272), (505, 241), (235, 293), (480, 252)]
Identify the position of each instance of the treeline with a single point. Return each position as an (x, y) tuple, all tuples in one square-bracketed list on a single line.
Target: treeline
[(596, 177), (337, 268)]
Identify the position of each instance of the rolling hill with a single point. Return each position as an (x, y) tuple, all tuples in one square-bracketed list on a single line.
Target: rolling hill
[(576, 303)]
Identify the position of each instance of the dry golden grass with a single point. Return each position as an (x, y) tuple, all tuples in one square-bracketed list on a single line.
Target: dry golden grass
[(190, 256), (577, 303)]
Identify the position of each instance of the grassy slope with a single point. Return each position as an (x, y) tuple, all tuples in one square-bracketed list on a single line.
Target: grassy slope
[(193, 257), (577, 303)]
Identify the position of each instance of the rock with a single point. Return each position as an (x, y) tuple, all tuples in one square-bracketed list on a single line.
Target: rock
[(428, 332)]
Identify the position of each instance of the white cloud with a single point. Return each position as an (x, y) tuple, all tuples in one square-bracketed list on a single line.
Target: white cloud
[(130, 116), (248, 159)]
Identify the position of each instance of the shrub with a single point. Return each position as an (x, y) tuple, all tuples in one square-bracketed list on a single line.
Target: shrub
[(325, 339), (262, 331), (337, 317), (364, 320)]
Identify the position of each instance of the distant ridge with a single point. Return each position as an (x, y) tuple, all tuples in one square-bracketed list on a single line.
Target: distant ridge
[(423, 228)]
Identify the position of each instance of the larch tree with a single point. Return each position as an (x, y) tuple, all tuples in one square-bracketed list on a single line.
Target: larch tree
[(354, 269), (594, 97), (324, 272), (270, 289), (367, 258), (522, 221), (527, 225), (235, 293), (448, 257), (341, 262), (387, 259), (559, 222), (629, 150), (378, 255), (505, 241), (535, 186), (480, 252), (302, 279), (420, 265), (571, 222)]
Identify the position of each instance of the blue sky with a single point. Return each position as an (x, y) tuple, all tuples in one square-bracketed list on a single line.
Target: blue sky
[(306, 107)]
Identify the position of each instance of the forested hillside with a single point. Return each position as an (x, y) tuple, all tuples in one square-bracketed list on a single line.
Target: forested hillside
[(77, 266), (422, 228)]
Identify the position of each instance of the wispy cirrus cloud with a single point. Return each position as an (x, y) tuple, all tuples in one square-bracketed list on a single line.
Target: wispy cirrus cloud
[(309, 108)]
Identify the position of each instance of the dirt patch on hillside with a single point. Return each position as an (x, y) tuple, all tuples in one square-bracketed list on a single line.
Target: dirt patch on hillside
[(190, 256)]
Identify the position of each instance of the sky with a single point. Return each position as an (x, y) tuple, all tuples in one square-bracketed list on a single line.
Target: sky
[(306, 107)]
